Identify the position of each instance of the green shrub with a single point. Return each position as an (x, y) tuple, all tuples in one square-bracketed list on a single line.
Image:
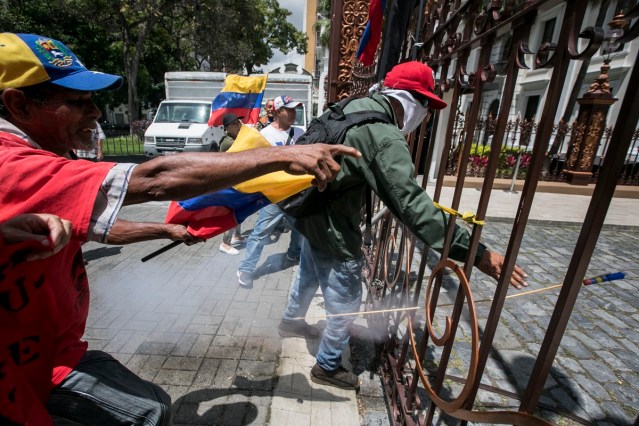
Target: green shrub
[(122, 145)]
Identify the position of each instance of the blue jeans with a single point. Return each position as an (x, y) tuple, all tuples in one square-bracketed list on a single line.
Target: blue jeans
[(267, 218), (102, 392), (341, 284)]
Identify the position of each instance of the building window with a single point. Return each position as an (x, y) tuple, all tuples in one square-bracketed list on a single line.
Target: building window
[(549, 31), (547, 34), (507, 46), (532, 104)]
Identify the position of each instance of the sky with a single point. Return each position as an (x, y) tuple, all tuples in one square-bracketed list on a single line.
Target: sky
[(297, 19)]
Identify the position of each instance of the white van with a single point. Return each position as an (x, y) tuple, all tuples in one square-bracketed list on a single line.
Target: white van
[(181, 121), (181, 126)]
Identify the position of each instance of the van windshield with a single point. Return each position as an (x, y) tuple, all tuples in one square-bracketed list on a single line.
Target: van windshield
[(183, 113)]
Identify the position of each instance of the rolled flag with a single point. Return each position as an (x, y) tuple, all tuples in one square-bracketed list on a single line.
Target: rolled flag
[(212, 214), (602, 278), (241, 96), (372, 33)]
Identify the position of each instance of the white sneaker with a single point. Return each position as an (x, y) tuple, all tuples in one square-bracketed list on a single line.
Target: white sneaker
[(229, 250)]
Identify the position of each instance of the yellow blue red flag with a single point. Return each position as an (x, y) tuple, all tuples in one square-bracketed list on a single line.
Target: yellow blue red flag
[(372, 32), (242, 96), (211, 214)]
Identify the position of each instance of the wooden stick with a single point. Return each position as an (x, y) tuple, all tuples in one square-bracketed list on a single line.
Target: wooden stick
[(525, 293)]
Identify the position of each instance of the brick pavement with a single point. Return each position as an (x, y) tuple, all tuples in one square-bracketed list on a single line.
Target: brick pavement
[(182, 321), (596, 372)]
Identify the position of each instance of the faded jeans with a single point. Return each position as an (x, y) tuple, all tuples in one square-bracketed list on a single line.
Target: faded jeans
[(341, 284), (267, 219), (102, 392)]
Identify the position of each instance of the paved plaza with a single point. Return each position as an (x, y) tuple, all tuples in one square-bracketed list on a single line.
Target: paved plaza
[(181, 321)]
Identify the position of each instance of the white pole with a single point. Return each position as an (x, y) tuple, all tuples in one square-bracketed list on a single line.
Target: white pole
[(512, 184)]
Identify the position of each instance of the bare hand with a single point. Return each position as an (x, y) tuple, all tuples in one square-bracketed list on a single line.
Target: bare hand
[(492, 263), (317, 160), (180, 233), (52, 232)]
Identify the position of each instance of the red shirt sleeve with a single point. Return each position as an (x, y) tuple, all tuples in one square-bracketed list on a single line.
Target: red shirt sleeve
[(37, 181)]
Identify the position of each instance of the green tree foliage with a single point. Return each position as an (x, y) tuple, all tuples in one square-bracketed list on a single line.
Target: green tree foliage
[(236, 35), (142, 39), (323, 24), (92, 40), (135, 19)]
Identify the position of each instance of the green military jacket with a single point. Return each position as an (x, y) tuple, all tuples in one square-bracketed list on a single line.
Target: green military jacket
[(226, 143), (386, 165)]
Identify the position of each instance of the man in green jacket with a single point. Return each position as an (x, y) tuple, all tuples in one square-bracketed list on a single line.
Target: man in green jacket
[(331, 252)]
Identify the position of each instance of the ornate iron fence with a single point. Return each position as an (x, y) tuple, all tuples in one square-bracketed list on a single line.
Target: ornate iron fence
[(462, 42), (515, 153)]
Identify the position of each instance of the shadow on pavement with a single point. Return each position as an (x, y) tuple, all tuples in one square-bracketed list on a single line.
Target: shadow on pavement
[(199, 407), (186, 410), (101, 252)]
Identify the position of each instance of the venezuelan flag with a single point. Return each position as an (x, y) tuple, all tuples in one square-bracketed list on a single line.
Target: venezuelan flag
[(372, 33), (242, 96), (212, 214)]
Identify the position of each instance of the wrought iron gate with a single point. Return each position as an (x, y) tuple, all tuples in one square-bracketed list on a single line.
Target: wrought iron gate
[(469, 44)]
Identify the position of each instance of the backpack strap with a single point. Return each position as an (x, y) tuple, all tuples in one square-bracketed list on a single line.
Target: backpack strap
[(368, 234), (359, 117), (291, 132)]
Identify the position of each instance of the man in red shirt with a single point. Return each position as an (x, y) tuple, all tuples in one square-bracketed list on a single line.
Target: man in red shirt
[(24, 238), (46, 111)]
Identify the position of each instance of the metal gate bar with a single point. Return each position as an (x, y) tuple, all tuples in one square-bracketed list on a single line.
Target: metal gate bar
[(450, 36)]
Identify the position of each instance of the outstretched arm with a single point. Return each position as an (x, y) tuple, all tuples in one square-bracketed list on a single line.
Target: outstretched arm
[(125, 232), (188, 175)]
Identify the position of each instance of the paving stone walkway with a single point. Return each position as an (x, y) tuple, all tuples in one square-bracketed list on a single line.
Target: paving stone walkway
[(181, 320)]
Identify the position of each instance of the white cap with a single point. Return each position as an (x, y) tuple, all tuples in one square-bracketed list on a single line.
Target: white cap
[(285, 102)]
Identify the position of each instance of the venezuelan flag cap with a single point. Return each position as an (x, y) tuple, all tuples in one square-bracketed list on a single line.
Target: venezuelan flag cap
[(28, 59)]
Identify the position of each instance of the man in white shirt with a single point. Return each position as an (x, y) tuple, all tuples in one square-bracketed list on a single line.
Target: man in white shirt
[(94, 154), (280, 132)]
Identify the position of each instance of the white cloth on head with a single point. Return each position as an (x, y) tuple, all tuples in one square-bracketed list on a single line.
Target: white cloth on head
[(374, 88), (414, 112)]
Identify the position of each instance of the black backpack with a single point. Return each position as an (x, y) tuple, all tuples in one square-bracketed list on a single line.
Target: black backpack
[(329, 128)]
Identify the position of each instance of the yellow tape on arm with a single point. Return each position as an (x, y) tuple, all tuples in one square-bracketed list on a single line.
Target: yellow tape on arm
[(468, 217)]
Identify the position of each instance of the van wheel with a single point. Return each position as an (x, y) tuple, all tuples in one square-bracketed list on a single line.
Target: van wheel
[(214, 148)]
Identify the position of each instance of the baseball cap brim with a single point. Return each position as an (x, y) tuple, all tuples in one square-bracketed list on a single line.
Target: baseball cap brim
[(292, 105), (230, 119), (89, 81), (434, 101)]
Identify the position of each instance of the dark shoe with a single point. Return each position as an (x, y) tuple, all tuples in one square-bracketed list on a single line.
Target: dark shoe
[(237, 240), (297, 329), (245, 278), (340, 378)]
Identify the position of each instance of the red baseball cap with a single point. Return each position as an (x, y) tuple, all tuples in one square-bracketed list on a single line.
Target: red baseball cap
[(415, 76)]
